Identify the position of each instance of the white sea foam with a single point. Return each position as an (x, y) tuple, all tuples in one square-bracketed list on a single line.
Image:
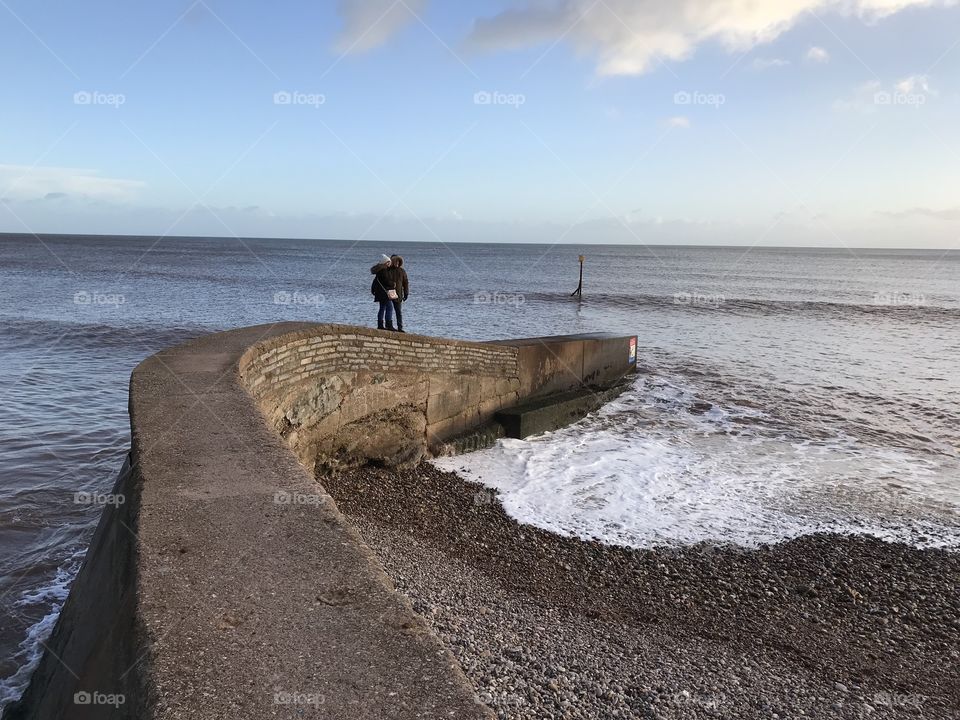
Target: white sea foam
[(659, 466), (30, 649)]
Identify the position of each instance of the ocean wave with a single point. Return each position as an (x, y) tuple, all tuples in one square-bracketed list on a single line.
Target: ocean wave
[(893, 305), (661, 465), (19, 333)]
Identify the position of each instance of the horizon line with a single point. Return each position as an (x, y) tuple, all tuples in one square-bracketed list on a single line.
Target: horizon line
[(7, 234)]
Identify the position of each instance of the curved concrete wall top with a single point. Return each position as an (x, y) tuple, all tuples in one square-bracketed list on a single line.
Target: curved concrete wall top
[(248, 594), (228, 585)]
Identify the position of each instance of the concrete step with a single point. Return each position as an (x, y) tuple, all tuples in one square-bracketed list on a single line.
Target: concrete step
[(553, 412)]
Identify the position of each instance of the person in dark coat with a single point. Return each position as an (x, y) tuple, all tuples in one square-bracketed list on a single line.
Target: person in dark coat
[(382, 287), (401, 284)]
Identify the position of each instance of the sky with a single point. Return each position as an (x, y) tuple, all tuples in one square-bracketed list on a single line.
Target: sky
[(783, 122)]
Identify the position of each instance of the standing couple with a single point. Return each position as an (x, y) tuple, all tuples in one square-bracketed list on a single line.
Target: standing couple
[(390, 288)]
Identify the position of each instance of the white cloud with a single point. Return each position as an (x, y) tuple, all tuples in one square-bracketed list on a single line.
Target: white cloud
[(631, 36), (915, 84), (767, 63), (678, 121), (863, 98), (370, 23), (22, 182), (818, 55)]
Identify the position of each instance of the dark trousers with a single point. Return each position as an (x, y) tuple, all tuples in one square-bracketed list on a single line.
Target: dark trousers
[(385, 315), (399, 312)]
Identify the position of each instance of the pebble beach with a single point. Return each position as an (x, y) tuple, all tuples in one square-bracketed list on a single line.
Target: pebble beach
[(544, 626)]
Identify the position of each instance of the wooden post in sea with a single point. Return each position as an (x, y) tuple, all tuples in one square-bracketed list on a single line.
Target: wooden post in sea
[(579, 291)]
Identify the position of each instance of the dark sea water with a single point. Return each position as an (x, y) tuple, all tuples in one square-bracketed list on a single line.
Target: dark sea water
[(787, 390)]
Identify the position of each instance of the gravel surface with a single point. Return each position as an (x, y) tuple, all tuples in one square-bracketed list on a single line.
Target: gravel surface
[(551, 627)]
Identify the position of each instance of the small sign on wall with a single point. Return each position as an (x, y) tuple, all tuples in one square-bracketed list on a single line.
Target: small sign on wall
[(632, 358)]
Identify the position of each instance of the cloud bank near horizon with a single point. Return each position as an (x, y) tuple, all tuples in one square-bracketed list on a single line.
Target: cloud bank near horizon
[(34, 182), (916, 227)]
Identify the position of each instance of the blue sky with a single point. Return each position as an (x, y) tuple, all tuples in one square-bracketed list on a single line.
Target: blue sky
[(803, 122)]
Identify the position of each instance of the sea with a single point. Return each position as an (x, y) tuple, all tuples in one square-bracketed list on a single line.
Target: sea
[(780, 391)]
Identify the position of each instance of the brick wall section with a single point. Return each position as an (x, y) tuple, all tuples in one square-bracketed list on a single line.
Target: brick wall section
[(331, 349), (455, 385)]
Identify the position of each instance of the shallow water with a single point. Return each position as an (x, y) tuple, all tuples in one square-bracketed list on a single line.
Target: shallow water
[(786, 389)]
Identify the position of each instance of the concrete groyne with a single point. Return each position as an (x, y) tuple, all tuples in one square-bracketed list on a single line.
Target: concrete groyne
[(228, 584)]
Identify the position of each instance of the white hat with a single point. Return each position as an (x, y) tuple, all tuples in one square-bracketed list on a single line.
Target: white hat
[(385, 259)]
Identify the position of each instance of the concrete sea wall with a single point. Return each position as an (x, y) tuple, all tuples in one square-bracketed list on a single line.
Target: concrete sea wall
[(227, 584), (341, 396)]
